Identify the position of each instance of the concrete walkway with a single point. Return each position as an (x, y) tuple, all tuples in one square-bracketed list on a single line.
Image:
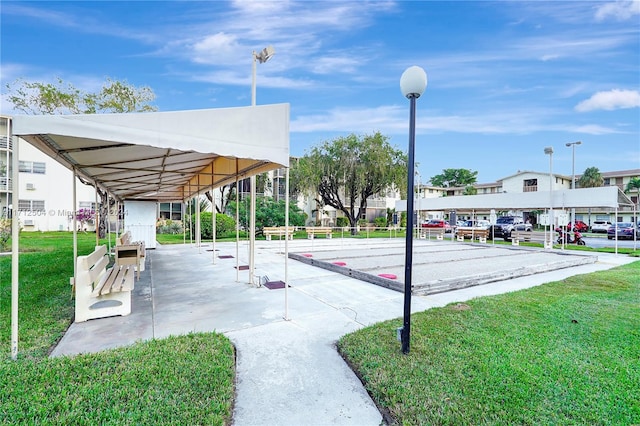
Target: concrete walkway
[(288, 370)]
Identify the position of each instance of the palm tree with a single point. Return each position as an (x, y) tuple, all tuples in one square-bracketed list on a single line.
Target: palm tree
[(634, 184), (591, 178)]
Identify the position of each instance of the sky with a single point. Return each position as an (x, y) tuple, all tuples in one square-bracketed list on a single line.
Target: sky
[(505, 78)]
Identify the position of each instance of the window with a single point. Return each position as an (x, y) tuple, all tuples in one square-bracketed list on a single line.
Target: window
[(171, 211), (87, 205), (31, 205), (607, 182), (32, 167)]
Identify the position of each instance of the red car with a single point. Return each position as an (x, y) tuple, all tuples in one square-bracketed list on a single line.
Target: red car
[(437, 223)]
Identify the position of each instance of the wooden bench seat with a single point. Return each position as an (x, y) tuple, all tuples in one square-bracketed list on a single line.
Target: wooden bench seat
[(280, 231), (533, 236), (312, 231), (96, 283), (480, 234), (429, 232)]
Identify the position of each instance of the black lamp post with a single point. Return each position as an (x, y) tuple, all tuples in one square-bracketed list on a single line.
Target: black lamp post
[(412, 83)]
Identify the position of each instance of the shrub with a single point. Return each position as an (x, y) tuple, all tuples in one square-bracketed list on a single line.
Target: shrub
[(225, 225), (342, 221), (380, 222)]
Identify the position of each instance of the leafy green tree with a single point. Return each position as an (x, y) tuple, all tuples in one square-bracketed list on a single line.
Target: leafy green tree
[(36, 98), (470, 190), (268, 213), (345, 171), (450, 178)]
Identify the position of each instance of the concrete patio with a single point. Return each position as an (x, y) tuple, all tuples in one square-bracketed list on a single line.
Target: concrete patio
[(288, 370)]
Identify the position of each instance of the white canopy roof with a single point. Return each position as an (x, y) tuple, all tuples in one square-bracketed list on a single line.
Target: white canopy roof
[(166, 156), (603, 197)]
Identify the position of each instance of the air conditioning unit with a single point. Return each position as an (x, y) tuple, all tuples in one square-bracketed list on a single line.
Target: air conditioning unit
[(28, 222), (30, 187)]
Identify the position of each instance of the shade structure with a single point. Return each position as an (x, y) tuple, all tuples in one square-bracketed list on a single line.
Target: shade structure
[(163, 156), (604, 197)]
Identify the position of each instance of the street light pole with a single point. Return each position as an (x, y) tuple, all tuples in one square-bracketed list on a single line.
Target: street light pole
[(573, 175), (412, 84), (264, 55), (549, 150)]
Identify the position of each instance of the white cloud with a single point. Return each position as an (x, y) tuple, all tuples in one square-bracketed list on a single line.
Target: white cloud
[(613, 99), (620, 10)]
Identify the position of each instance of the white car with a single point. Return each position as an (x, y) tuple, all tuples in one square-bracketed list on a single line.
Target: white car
[(600, 226)]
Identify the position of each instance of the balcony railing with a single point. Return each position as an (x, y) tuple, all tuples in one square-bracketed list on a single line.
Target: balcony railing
[(531, 188)]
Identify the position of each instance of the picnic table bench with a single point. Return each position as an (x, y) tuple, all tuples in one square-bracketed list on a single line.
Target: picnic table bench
[(280, 231), (538, 236), (312, 231), (428, 232), (479, 233), (129, 252), (96, 283)]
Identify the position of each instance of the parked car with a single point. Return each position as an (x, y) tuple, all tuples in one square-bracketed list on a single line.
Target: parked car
[(600, 226), (478, 224), (505, 225), (623, 230), (437, 223)]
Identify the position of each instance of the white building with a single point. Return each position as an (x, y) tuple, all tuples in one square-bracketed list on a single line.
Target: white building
[(45, 198)]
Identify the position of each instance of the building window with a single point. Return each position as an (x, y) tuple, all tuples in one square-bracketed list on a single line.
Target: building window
[(606, 182), (171, 211), (31, 205), (32, 167)]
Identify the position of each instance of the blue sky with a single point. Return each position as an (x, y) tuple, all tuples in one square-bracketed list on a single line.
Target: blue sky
[(505, 79)]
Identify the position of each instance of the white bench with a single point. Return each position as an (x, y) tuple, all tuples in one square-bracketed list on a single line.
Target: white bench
[(280, 231), (428, 232), (95, 283), (312, 231), (129, 252), (480, 234), (537, 236)]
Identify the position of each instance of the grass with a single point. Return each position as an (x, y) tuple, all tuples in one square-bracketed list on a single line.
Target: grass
[(562, 353), (180, 380)]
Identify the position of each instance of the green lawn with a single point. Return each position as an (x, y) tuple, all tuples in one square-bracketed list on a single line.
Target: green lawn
[(562, 353), (180, 380)]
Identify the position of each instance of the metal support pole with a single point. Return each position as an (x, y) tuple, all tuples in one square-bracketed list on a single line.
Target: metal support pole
[(406, 325), (15, 246)]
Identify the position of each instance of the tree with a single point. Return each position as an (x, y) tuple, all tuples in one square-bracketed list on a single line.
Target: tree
[(450, 178), (268, 213), (345, 171), (470, 190), (634, 183), (36, 98), (591, 178)]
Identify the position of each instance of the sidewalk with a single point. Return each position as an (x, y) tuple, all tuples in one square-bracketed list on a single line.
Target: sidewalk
[(288, 370)]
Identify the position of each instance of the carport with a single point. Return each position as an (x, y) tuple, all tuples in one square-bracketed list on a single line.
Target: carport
[(609, 197), (160, 156)]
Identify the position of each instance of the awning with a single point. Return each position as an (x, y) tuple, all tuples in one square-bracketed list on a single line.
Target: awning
[(602, 197), (163, 156)]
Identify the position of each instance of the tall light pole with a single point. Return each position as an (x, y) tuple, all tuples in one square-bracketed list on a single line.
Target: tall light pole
[(549, 150), (573, 175), (262, 57), (412, 84)]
